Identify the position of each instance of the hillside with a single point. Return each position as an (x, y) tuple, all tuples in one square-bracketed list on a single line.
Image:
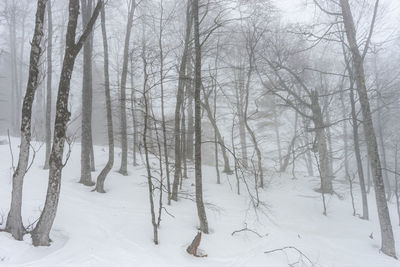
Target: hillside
[(114, 229)]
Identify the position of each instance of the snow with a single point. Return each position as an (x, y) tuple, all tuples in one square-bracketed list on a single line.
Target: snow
[(114, 229)]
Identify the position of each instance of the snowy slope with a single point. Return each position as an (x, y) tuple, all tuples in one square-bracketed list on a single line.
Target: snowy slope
[(114, 229)]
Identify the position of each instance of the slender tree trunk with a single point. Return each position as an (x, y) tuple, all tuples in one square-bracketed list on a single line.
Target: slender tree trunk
[(310, 168), (388, 246), (197, 120), (190, 94), (148, 107), (368, 175), (14, 223), (14, 73), (133, 114), (294, 147), (178, 106), (329, 140), (87, 88), (286, 158), (124, 139), (345, 136), (49, 82), (383, 151), (396, 180), (183, 142), (234, 156), (277, 134), (216, 138), (357, 152), (239, 94), (21, 65), (110, 133), (246, 123), (148, 168), (163, 124), (206, 105), (40, 234)]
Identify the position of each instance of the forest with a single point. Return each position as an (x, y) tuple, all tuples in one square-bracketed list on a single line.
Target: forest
[(200, 133)]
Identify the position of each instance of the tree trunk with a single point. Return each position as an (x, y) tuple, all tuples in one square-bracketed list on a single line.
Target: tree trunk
[(133, 114), (146, 150), (383, 152), (87, 88), (48, 86), (216, 138), (14, 223), (206, 106), (322, 148), (183, 142), (329, 139), (190, 94), (388, 246), (40, 234), (197, 120), (245, 117), (15, 120), (358, 154), (345, 136), (124, 139), (396, 180), (163, 124), (103, 174), (178, 106), (308, 156), (277, 134)]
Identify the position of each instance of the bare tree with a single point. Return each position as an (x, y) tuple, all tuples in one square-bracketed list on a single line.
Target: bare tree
[(110, 133), (197, 119), (164, 128), (87, 99), (179, 102), (146, 148), (40, 234), (124, 141), (388, 246), (14, 223)]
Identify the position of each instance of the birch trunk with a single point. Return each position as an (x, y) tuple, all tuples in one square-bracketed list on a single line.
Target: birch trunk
[(14, 223)]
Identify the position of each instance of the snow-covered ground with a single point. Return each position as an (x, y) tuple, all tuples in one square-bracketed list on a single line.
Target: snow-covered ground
[(114, 229)]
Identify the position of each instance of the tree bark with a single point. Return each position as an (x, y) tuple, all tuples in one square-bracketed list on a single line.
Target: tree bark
[(40, 234), (14, 223)]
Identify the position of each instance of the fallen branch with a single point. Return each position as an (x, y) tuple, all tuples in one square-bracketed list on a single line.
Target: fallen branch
[(293, 248), (249, 230)]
